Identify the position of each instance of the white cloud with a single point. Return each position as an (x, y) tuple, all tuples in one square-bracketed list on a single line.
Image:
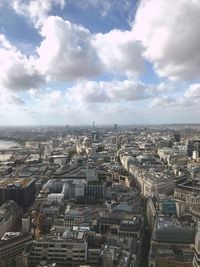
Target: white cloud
[(120, 51), (17, 71), (70, 52), (4, 43), (113, 91), (47, 98), (36, 10), (165, 32), (193, 91), (51, 99), (187, 101), (170, 34), (162, 102), (66, 52), (87, 92), (9, 101)]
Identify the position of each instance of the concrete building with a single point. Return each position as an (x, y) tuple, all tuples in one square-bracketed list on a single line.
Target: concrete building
[(153, 181), (152, 177), (12, 245), (152, 208), (10, 217), (187, 198), (196, 260), (174, 258), (57, 197), (120, 226), (192, 145), (95, 189), (78, 216), (91, 174), (111, 256), (79, 187), (195, 155), (70, 249), (171, 243), (60, 159), (26, 223), (21, 190)]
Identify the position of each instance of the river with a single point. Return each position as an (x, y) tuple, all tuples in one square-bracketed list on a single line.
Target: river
[(6, 145)]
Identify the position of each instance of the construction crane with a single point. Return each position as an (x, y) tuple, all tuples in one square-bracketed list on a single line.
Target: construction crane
[(38, 218)]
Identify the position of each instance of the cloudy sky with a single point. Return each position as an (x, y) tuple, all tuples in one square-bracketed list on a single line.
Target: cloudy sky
[(112, 61)]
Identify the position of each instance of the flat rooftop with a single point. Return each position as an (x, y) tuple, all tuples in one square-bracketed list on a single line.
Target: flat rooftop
[(15, 182)]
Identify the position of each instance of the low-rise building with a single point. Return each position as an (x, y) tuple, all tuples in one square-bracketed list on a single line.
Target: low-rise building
[(66, 249), (119, 225)]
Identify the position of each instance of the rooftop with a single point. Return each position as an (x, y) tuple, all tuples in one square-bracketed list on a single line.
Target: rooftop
[(167, 230), (124, 207), (15, 182)]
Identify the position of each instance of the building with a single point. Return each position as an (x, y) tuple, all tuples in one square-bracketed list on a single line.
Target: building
[(187, 198), (192, 145), (168, 206), (94, 257), (151, 176), (153, 182), (26, 223), (171, 243), (11, 248), (59, 159), (170, 257), (20, 190), (10, 217), (70, 250), (151, 210), (196, 260), (79, 216), (111, 256), (120, 226), (95, 189), (177, 137)]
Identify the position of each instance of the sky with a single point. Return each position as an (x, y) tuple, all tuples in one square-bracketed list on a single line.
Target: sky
[(67, 62)]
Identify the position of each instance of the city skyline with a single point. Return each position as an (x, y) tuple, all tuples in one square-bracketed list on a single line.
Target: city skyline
[(114, 61)]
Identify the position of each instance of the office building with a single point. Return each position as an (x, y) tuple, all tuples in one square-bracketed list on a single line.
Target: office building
[(171, 243), (10, 217), (12, 245), (196, 260), (20, 190), (70, 250), (95, 189)]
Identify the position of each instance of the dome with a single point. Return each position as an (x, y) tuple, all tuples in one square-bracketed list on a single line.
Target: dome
[(87, 140)]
